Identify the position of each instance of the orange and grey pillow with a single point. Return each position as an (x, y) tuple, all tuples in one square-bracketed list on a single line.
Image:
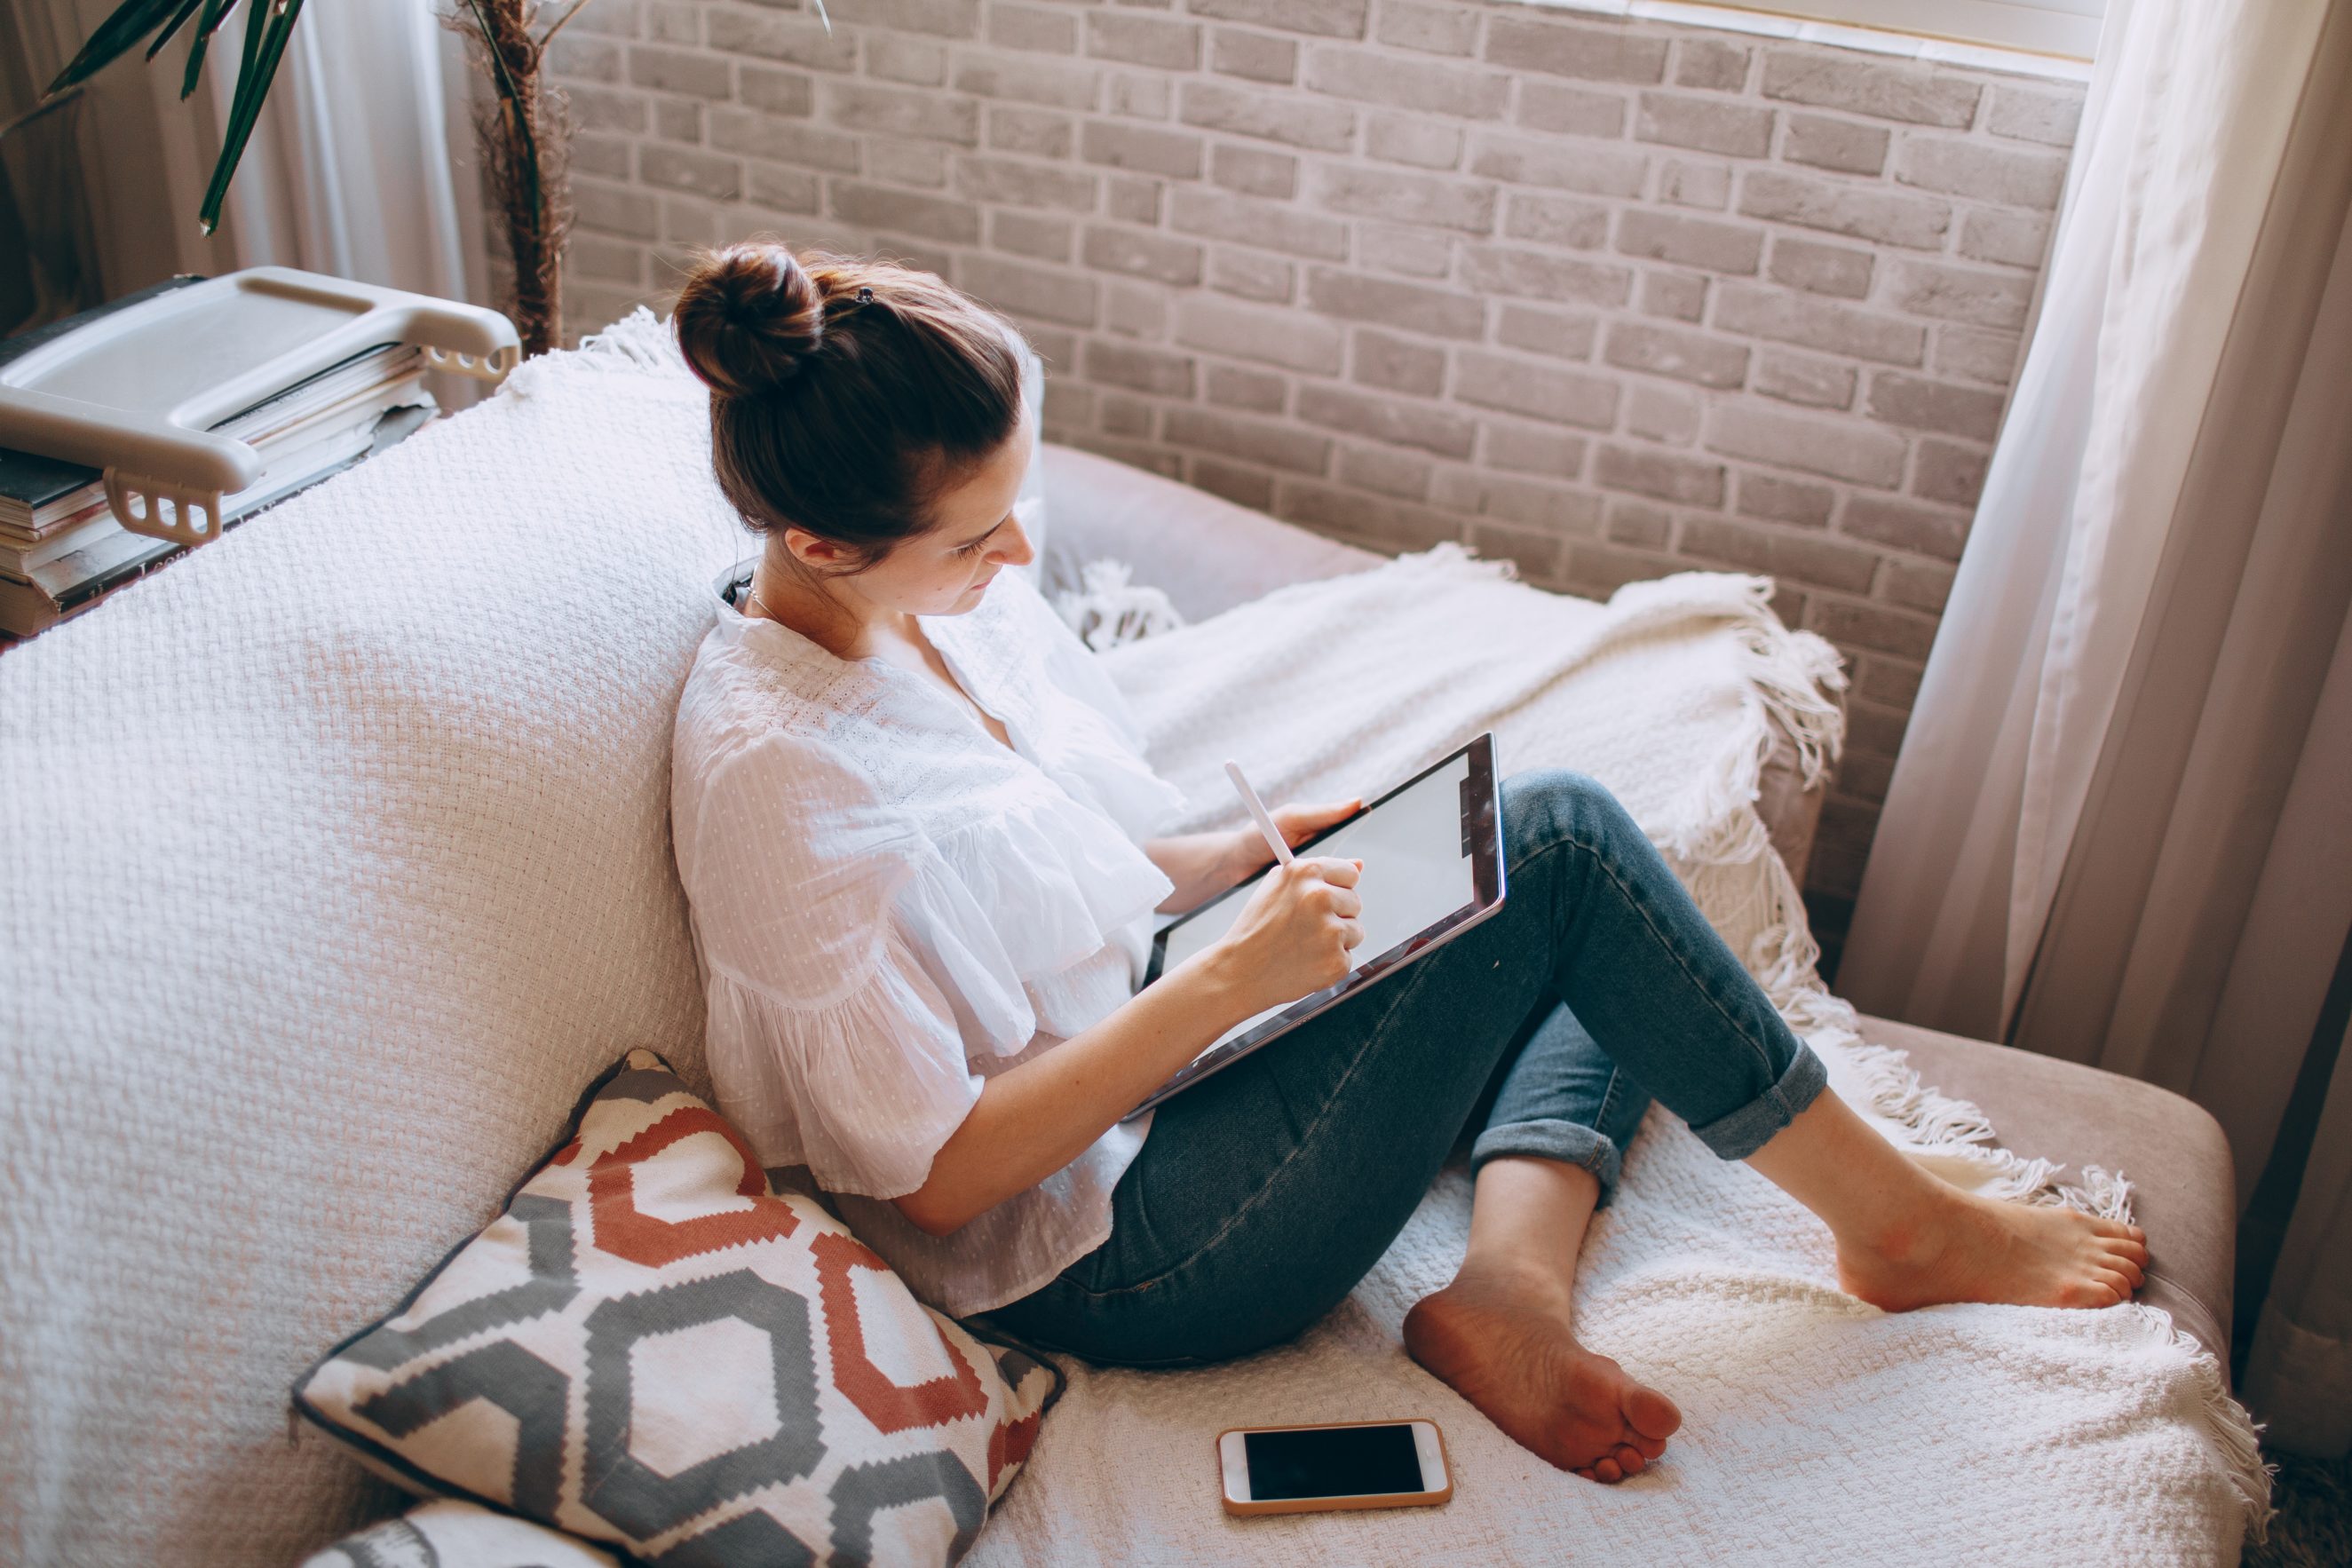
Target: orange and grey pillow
[(653, 1348)]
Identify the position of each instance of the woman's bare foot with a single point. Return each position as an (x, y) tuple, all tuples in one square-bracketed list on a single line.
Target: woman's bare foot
[(1501, 1339), (1962, 1248)]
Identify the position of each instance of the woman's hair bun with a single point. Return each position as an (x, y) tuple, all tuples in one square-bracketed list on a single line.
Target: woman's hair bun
[(749, 317)]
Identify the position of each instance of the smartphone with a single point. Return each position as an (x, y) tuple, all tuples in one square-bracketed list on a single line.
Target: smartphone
[(1349, 1464)]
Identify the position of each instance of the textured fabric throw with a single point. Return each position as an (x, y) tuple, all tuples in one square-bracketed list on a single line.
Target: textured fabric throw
[(653, 1348), (451, 1534)]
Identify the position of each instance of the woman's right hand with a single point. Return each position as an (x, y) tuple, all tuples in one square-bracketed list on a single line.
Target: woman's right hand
[(1294, 934)]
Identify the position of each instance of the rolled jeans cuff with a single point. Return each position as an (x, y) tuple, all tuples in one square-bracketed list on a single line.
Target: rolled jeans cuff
[(1743, 1131), (1563, 1140)]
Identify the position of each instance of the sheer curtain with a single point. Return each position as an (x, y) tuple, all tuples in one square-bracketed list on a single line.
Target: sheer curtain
[(2101, 840)]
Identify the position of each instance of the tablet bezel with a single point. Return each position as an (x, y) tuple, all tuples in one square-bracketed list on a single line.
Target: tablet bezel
[(1482, 831)]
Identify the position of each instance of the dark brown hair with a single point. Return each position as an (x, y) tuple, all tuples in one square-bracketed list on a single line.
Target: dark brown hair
[(845, 394)]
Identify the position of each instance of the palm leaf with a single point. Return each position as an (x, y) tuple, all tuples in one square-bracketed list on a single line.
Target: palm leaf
[(267, 28), (215, 13), (131, 21), (171, 28)]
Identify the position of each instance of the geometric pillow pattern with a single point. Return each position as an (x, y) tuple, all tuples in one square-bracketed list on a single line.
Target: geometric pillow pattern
[(653, 1348)]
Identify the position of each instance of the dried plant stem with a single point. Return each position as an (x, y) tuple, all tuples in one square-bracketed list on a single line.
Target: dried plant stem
[(524, 136)]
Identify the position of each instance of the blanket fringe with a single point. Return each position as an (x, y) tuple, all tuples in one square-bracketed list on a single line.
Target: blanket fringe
[(2236, 1435), (1107, 610), (639, 343)]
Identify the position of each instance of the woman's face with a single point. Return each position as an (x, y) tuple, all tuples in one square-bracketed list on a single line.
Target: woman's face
[(947, 571)]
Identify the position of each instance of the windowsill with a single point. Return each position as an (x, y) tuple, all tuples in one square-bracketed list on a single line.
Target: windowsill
[(1875, 40)]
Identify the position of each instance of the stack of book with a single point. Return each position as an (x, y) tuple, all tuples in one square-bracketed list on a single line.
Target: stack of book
[(61, 550)]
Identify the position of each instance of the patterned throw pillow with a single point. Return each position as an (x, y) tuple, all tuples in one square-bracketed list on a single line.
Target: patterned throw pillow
[(652, 1348)]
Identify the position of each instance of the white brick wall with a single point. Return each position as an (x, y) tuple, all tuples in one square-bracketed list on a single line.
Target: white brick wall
[(1612, 298)]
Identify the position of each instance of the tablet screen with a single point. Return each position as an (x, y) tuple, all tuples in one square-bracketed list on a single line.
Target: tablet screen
[(1415, 875)]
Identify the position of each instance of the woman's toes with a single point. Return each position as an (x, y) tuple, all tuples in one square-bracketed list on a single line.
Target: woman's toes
[(1630, 1460), (1606, 1472), (1652, 1413), (1647, 1446)]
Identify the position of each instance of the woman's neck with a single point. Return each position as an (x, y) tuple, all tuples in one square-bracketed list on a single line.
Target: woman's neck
[(839, 629)]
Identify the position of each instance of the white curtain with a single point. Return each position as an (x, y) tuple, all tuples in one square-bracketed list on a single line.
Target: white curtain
[(2093, 845)]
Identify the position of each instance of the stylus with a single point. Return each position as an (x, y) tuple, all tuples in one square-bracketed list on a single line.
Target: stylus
[(1258, 809)]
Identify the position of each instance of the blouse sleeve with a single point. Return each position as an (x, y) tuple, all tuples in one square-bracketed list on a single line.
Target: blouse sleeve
[(828, 1031)]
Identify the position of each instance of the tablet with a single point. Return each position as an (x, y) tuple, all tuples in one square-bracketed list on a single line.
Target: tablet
[(1432, 854)]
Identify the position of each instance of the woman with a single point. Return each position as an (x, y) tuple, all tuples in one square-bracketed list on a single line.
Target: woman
[(921, 848)]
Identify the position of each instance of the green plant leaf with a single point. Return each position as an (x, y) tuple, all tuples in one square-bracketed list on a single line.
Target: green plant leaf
[(267, 28), (215, 13), (131, 21), (171, 28)]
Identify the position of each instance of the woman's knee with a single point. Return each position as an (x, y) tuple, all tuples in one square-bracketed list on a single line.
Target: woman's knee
[(1544, 806)]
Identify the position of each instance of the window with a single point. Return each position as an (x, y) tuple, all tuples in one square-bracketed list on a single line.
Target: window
[(2067, 29)]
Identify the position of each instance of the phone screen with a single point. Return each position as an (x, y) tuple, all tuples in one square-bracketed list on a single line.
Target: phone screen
[(1333, 1461)]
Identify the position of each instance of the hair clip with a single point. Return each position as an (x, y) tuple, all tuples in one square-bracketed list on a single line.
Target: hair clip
[(866, 295)]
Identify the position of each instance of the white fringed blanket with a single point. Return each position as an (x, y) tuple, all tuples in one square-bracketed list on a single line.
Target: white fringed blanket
[(1818, 1428)]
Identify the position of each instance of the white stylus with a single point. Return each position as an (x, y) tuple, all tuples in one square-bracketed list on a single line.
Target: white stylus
[(1258, 809)]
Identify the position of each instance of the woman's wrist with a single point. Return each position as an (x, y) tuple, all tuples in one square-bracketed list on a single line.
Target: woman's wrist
[(1215, 979)]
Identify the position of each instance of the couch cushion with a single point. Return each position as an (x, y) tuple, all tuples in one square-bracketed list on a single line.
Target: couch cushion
[(652, 1349), (2172, 1149)]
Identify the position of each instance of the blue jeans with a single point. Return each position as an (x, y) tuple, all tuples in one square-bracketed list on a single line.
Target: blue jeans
[(1266, 1192)]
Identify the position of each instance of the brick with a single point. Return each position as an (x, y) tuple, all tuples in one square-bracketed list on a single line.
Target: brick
[(1254, 171), (606, 155), (946, 18), (1800, 379), (1822, 324), (1687, 185), (1973, 354), (1535, 551), (1259, 57), (1918, 584), (1386, 470), (901, 112), (595, 108), (1397, 365), (1645, 471), (1948, 472), (607, 209), (1407, 252), (1142, 369), (1402, 198), (1137, 310), (1890, 217), (1429, 86), (1028, 234), (775, 92), (1665, 414), (1025, 289), (1882, 88), (2024, 115), (617, 21), (1708, 124), (1139, 255), (1595, 54), (1871, 728), (691, 220), (1217, 214), (1894, 681), (1785, 501), (1556, 220), (1598, 571), (1174, 153), (1035, 27), (1246, 275), (1429, 29), (1851, 625), (1539, 275), (1962, 293), (1906, 525), (1548, 332), (780, 189), (1712, 64), (1287, 337), (590, 58), (904, 212), (735, 32), (1125, 416), (1805, 558), (1423, 143), (1570, 110), (1821, 268), (1918, 404), (921, 163), (1040, 132), (1267, 116), (1324, 18), (2012, 238), (1256, 390), (1034, 82), (1676, 295), (1013, 182), (721, 179), (1250, 487), (1841, 144), (1524, 504), (782, 141), (1375, 520), (611, 260), (1132, 198), (1537, 392), (1533, 449), (1690, 241), (1685, 355), (1140, 94), (1143, 40), (1353, 296), (1838, 449), (2011, 176), (1594, 171), (696, 71), (913, 61), (1639, 523)]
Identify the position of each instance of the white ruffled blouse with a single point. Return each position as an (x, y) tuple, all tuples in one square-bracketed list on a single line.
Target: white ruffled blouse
[(889, 906)]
